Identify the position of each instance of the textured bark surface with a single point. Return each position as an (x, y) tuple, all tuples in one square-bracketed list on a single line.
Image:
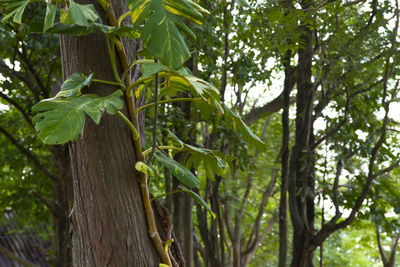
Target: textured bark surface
[(109, 226)]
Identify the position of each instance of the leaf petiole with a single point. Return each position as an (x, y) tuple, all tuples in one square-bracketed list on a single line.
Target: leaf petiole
[(133, 85), (111, 52), (104, 4), (166, 194), (146, 152), (108, 82), (135, 134), (169, 101), (122, 17), (133, 63)]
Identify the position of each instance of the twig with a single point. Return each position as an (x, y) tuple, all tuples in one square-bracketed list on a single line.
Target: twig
[(153, 147), (28, 154), (14, 257)]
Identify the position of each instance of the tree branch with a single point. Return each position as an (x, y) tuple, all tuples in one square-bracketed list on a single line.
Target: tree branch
[(394, 249), (255, 232), (28, 154), (48, 203), (271, 107), (18, 107), (28, 65), (4, 68), (16, 258), (381, 251)]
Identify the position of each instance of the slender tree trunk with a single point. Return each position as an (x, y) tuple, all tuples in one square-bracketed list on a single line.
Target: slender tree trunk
[(109, 226), (284, 163), (63, 196), (301, 182), (392, 257), (183, 203), (183, 225), (182, 218)]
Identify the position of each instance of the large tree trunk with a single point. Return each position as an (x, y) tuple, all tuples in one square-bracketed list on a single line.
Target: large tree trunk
[(109, 225)]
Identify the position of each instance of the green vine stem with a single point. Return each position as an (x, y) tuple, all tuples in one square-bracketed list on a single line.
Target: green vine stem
[(166, 194), (146, 152), (129, 91), (168, 101), (133, 63), (154, 235), (135, 134), (108, 82)]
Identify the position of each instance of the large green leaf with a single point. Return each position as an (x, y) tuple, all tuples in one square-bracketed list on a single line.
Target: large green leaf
[(62, 119), (50, 16), (213, 160), (179, 171), (152, 68), (234, 120), (17, 7), (195, 85), (74, 83), (161, 31), (121, 31), (74, 29), (182, 80), (162, 37), (80, 14)]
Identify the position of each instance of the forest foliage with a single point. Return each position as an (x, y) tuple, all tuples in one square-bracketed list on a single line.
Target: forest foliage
[(281, 119)]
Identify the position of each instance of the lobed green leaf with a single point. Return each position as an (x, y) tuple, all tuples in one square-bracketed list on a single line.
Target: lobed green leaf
[(162, 25), (17, 13), (62, 119), (50, 16), (74, 83)]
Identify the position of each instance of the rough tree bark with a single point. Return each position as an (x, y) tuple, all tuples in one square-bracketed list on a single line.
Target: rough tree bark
[(109, 226)]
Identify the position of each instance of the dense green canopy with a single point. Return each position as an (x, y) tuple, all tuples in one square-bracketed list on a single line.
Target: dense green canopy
[(281, 119)]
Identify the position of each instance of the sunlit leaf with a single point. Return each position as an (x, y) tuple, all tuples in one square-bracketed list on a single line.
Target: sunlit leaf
[(17, 13), (212, 161), (50, 16), (82, 14), (149, 69), (144, 168), (162, 25), (234, 121), (74, 83)]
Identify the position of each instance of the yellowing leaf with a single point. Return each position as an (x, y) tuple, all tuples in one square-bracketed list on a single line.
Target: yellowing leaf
[(144, 168)]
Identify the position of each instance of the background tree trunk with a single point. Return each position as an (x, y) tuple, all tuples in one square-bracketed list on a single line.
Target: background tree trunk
[(109, 226), (63, 197), (301, 177)]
